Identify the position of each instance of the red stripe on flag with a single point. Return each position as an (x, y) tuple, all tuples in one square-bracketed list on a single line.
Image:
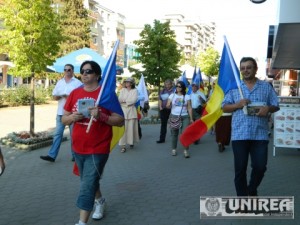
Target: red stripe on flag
[(193, 132)]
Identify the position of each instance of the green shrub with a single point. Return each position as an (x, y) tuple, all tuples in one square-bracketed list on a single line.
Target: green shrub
[(17, 96), (49, 91), (1, 98), (41, 96), (21, 96)]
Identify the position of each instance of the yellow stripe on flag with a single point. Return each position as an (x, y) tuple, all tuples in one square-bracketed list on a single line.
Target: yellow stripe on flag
[(118, 132)]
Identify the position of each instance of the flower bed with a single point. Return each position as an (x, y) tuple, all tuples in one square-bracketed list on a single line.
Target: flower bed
[(23, 141)]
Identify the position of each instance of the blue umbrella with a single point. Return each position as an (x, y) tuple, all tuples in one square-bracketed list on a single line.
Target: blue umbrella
[(77, 57)]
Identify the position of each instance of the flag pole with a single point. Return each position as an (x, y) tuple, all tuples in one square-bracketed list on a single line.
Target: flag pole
[(234, 71), (104, 82)]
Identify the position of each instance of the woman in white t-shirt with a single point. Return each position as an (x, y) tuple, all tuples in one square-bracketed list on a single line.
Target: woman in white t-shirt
[(180, 104)]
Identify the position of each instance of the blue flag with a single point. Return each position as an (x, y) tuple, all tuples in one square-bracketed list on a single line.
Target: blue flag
[(184, 79), (194, 76), (229, 73), (107, 97)]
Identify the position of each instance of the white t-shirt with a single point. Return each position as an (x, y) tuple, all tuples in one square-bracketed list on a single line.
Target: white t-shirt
[(177, 102), (64, 88), (195, 98)]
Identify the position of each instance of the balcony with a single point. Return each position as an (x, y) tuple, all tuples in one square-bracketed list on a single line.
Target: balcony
[(94, 31), (93, 15)]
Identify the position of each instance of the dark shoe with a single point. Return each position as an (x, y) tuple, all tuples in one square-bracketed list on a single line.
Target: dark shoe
[(221, 147), (131, 146), (196, 142), (47, 158), (73, 159), (160, 141)]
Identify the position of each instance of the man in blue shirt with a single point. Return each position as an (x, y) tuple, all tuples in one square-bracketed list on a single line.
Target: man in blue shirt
[(250, 129)]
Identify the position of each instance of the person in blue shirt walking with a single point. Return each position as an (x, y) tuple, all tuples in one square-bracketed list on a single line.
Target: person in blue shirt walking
[(249, 133)]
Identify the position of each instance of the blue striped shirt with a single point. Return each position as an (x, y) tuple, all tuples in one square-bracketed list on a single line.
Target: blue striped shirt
[(245, 127)]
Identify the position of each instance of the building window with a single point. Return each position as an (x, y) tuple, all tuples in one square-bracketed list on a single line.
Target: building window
[(95, 42)]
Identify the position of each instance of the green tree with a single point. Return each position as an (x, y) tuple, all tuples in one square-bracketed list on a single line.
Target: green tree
[(75, 25), (31, 38), (209, 62), (158, 52)]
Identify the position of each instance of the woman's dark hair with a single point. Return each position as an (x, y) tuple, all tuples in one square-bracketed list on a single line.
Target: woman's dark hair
[(183, 87), (245, 59), (95, 67)]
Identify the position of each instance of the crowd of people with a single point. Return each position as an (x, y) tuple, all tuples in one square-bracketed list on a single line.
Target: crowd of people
[(248, 134)]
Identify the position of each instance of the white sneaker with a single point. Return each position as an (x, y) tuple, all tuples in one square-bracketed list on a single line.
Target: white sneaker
[(80, 223), (186, 153), (99, 209), (174, 152)]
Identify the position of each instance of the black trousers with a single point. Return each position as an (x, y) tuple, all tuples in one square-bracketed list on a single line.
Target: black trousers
[(164, 116)]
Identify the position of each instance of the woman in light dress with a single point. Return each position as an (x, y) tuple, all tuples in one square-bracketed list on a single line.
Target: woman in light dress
[(128, 98)]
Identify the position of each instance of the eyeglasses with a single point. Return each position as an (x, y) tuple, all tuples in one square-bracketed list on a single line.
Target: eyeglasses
[(67, 70), (178, 86), (87, 71)]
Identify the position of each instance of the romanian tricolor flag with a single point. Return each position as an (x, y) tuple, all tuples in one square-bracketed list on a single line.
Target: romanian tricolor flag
[(108, 98), (228, 79)]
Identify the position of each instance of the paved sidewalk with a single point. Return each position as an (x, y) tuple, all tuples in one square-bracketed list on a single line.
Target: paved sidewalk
[(144, 186), (18, 118)]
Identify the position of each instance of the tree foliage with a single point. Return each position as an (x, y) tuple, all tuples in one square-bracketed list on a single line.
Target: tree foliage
[(158, 52), (209, 61), (75, 25), (30, 36)]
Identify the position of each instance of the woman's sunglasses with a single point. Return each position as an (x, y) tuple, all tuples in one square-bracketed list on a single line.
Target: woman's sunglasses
[(88, 71)]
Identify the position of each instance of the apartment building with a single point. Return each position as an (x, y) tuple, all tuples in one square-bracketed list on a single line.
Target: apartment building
[(192, 36), (107, 26)]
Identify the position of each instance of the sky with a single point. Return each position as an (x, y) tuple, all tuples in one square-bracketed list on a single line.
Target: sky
[(245, 24)]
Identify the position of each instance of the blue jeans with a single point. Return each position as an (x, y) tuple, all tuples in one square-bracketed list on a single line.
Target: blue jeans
[(258, 151), (57, 138), (90, 168)]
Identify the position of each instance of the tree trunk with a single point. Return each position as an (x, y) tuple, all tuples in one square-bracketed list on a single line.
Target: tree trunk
[(32, 105)]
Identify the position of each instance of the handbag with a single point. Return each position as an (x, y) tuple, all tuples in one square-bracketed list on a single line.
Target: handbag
[(175, 121)]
